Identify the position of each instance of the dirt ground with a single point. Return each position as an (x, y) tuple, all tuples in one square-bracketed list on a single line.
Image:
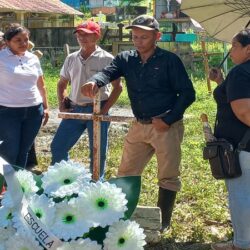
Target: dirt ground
[(178, 246)]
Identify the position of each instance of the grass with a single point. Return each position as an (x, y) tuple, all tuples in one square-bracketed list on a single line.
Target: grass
[(201, 213)]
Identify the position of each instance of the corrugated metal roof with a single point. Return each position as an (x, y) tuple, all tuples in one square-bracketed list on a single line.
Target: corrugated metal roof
[(37, 6)]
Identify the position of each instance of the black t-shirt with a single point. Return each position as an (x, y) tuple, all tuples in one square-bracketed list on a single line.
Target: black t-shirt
[(236, 86)]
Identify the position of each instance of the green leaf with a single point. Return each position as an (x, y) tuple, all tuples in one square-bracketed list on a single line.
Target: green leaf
[(1, 182), (131, 186)]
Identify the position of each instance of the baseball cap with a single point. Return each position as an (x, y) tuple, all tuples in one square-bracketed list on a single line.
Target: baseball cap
[(89, 27), (145, 22)]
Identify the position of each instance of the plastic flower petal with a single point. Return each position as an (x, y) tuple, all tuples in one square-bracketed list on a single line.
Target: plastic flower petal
[(27, 182), (43, 208), (7, 200), (22, 242), (18, 223), (70, 220), (104, 203), (5, 233), (80, 244), (124, 235), (65, 178), (5, 216)]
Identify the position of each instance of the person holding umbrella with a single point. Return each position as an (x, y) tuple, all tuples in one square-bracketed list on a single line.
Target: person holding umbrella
[(159, 90), (232, 96)]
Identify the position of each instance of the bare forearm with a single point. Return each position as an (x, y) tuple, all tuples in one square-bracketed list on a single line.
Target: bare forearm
[(61, 92), (43, 92)]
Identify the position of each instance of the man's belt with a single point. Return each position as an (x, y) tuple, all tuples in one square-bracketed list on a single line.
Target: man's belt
[(144, 120), (82, 105)]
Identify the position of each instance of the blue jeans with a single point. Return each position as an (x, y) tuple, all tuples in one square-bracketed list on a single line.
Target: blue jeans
[(18, 129), (68, 133), (239, 203)]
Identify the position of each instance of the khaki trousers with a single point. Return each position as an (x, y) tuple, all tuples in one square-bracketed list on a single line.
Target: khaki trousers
[(142, 141)]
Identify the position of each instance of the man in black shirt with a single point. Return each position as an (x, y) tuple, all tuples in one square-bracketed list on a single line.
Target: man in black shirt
[(159, 91)]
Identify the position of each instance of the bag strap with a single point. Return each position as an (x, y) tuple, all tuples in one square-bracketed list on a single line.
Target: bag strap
[(243, 143)]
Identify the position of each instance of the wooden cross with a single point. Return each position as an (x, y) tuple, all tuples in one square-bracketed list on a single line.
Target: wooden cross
[(97, 119)]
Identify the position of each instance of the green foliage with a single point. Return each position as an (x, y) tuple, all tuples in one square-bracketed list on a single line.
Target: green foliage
[(85, 10), (130, 2), (51, 79)]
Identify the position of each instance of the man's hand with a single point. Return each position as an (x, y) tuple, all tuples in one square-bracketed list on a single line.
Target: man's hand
[(160, 125), (89, 89)]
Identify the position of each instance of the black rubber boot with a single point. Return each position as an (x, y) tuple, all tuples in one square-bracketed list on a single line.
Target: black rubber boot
[(166, 200)]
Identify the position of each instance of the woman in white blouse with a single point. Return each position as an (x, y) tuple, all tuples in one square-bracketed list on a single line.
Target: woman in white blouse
[(23, 98)]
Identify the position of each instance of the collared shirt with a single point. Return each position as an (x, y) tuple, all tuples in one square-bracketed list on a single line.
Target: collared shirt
[(18, 79), (155, 87), (77, 70)]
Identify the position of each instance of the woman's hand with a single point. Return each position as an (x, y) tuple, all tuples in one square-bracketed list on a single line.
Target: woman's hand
[(45, 116), (216, 75)]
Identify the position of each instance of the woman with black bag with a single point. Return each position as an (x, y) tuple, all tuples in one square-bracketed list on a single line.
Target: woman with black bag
[(232, 96)]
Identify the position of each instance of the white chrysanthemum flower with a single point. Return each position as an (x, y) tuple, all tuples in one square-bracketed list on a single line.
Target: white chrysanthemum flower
[(104, 203), (5, 233), (80, 244), (70, 220), (7, 200), (5, 216), (22, 242), (65, 178), (18, 223), (124, 235), (27, 182), (43, 208)]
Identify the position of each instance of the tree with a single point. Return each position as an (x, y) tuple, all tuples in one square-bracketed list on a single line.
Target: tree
[(130, 2)]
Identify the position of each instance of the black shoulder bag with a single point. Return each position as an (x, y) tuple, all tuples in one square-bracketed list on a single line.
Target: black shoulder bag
[(223, 158)]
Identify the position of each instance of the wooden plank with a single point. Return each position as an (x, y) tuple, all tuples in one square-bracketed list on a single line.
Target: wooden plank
[(80, 116)]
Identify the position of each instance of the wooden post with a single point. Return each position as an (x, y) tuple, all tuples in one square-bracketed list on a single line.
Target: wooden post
[(66, 50), (205, 60), (120, 26), (97, 138), (97, 119)]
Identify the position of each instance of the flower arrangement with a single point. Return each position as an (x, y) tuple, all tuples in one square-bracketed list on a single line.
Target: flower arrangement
[(64, 209)]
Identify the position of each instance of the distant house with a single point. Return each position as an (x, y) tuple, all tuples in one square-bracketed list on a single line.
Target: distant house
[(103, 3), (91, 3), (37, 13)]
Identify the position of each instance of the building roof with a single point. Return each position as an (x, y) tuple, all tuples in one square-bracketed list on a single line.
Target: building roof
[(37, 6)]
